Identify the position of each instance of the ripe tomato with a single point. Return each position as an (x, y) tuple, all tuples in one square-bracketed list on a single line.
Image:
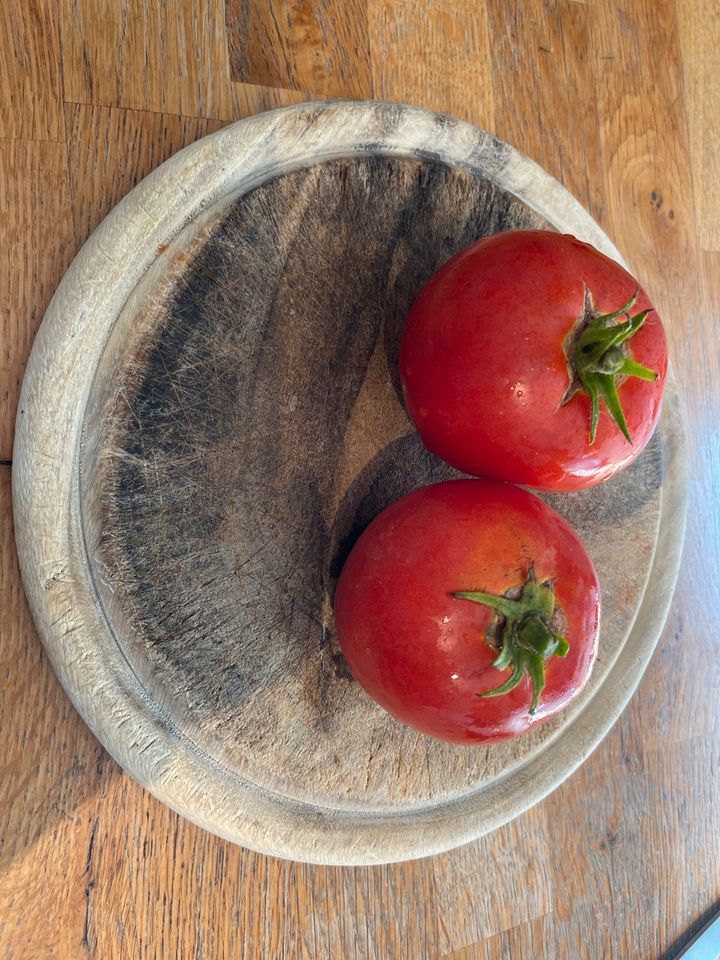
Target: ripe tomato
[(520, 360), (469, 610)]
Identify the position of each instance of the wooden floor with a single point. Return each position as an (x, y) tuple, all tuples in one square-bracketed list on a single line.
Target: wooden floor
[(620, 102)]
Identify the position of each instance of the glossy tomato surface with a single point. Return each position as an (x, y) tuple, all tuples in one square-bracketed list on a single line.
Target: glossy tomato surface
[(424, 654), (484, 368)]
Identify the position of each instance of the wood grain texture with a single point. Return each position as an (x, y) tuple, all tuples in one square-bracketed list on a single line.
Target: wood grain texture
[(644, 147), (301, 45), (536, 938), (37, 242), (435, 55), (699, 23), (30, 78), (544, 65), (53, 772), (169, 58), (156, 885), (615, 844), (110, 150), (353, 913)]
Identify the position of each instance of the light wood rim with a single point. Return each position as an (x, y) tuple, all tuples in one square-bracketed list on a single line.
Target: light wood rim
[(55, 567)]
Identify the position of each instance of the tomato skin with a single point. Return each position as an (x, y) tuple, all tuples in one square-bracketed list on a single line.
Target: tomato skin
[(484, 370), (419, 651)]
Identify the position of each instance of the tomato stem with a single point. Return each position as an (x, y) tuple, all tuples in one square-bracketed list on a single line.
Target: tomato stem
[(529, 632), (596, 352)]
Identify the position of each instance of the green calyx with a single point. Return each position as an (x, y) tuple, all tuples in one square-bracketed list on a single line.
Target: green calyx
[(529, 632), (597, 355)]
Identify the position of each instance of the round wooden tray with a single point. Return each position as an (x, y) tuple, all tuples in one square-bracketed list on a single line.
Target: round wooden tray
[(210, 416)]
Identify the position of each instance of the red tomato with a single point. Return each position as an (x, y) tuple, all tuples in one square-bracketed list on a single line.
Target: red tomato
[(504, 348), (430, 656)]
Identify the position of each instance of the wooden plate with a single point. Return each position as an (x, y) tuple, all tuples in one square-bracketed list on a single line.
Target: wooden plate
[(210, 416)]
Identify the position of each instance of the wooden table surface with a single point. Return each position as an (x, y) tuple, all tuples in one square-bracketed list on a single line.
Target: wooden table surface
[(619, 101)]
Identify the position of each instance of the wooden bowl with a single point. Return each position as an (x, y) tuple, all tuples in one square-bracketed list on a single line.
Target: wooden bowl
[(210, 416)]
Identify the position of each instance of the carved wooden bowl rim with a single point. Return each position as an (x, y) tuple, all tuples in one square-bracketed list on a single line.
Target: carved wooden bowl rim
[(53, 559)]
